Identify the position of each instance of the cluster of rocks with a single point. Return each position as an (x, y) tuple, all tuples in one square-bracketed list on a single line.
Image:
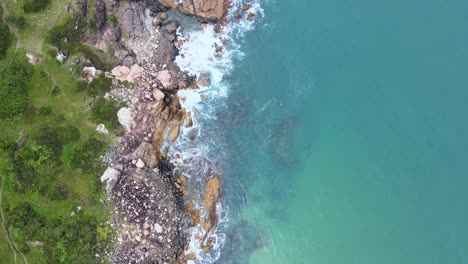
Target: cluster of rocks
[(244, 12), (151, 213)]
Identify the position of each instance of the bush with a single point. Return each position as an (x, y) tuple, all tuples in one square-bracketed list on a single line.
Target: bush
[(34, 6), (67, 37), (50, 138), (14, 85), (24, 218), (105, 111), (44, 110), (69, 133), (85, 155), (57, 192), (7, 144), (19, 21), (5, 39), (25, 176)]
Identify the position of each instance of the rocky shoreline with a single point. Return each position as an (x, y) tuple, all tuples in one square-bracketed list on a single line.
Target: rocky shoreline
[(151, 215)]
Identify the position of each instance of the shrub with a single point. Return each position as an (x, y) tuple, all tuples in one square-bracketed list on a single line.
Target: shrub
[(7, 144), (44, 110), (67, 36), (19, 21), (85, 155), (14, 85), (5, 39), (57, 191), (105, 111), (25, 176), (34, 6), (50, 138), (24, 218), (69, 133)]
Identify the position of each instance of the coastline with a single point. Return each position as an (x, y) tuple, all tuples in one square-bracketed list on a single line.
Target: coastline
[(152, 211)]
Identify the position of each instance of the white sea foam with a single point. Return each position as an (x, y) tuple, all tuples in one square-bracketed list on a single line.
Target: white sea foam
[(195, 158)]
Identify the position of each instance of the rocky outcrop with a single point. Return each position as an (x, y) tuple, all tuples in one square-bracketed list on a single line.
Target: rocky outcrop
[(211, 10)]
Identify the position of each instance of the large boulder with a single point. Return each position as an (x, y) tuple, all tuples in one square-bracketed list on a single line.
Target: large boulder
[(111, 175), (124, 116), (124, 73), (147, 154), (206, 9)]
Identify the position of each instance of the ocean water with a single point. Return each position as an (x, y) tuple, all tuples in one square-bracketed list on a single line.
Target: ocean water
[(344, 137)]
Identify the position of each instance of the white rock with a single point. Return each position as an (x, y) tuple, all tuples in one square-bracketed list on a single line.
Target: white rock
[(32, 59), (125, 117), (101, 128), (111, 175), (140, 164), (60, 57), (158, 228)]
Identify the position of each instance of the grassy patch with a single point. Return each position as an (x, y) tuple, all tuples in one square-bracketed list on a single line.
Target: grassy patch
[(49, 149)]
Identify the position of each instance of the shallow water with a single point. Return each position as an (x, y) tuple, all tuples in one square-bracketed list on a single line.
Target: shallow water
[(346, 138)]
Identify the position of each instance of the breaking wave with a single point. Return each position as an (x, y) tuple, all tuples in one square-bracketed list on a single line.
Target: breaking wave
[(199, 151)]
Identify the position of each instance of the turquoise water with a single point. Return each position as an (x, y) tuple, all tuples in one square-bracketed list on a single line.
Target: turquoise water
[(347, 135)]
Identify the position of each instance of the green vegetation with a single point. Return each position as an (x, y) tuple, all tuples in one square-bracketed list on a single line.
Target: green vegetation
[(34, 6), (49, 149), (20, 22), (15, 83), (6, 38)]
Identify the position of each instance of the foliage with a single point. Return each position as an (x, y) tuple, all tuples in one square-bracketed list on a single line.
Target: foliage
[(85, 155), (34, 6), (25, 179), (57, 191), (44, 110), (7, 144), (14, 85), (67, 36), (20, 22), (99, 86), (5, 39), (24, 218), (105, 112)]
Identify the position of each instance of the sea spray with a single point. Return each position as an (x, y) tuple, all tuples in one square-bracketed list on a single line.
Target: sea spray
[(199, 151)]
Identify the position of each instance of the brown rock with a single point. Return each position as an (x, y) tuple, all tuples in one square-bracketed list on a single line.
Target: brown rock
[(169, 3), (188, 120), (158, 95), (238, 16), (212, 196), (209, 9), (147, 154), (246, 7), (251, 17), (174, 132), (190, 256), (204, 97)]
